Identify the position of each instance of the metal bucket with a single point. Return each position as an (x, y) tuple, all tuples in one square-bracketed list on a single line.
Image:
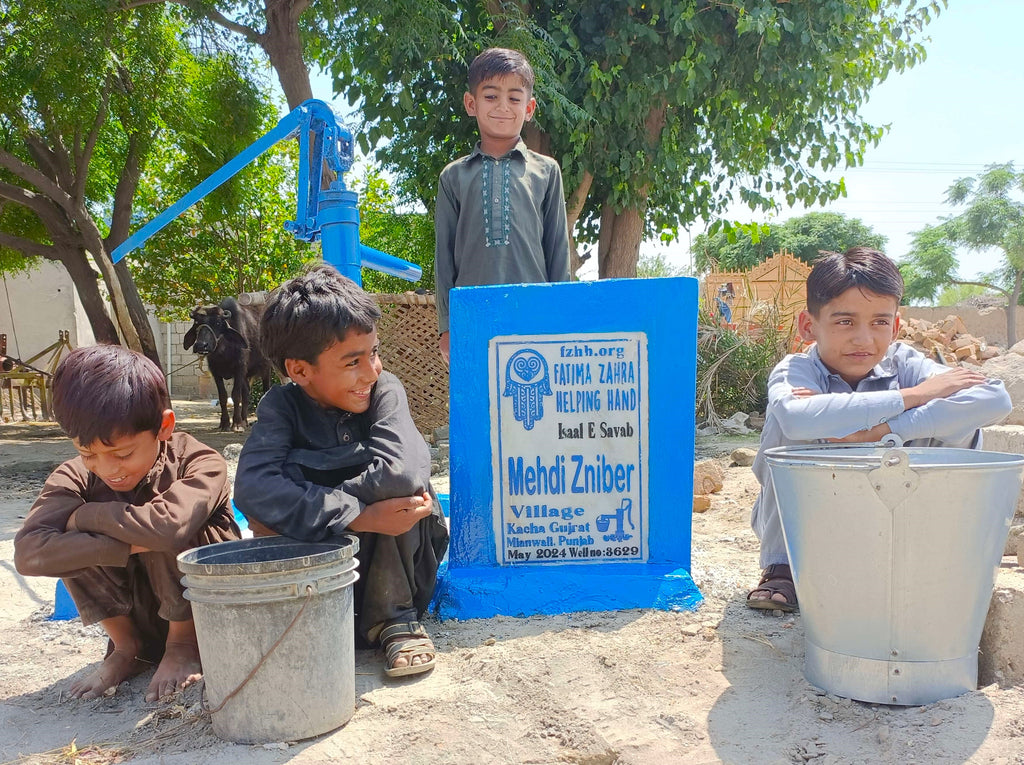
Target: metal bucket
[(274, 618), (894, 554)]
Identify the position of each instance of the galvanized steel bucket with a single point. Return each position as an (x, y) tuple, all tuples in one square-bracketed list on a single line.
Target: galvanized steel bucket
[(894, 553)]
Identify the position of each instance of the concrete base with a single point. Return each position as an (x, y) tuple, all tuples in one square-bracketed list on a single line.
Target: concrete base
[(482, 592), (1002, 642)]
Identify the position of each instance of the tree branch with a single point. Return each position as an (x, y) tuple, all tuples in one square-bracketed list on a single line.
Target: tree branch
[(124, 194), (82, 159), (1000, 290), (578, 198), (30, 174), (213, 15), (27, 247)]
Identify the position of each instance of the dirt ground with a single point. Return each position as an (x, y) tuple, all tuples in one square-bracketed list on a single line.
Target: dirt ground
[(719, 684)]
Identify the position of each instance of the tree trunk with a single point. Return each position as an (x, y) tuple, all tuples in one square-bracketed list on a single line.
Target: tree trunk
[(283, 46), (87, 285), (619, 246), (138, 313), (1011, 309), (573, 210)]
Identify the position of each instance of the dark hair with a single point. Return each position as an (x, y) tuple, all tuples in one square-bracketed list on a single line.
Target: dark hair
[(306, 314), (499, 62), (104, 392), (834, 273)]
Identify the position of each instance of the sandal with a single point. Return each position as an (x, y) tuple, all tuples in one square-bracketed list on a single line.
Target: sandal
[(406, 639), (776, 578)]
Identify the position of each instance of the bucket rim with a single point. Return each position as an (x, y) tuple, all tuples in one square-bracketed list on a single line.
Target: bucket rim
[(862, 455), (203, 560)]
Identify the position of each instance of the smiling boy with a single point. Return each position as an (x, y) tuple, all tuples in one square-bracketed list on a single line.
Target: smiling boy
[(500, 213), (336, 450), (856, 384), (111, 522)]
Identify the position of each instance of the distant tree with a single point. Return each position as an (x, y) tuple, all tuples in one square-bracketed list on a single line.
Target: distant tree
[(656, 266), (993, 217), (929, 265), (958, 293), (805, 236), (406, 235)]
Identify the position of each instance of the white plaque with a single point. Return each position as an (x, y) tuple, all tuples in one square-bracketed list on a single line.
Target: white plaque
[(569, 435)]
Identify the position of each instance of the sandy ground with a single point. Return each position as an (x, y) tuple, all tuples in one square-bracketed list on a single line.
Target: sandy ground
[(720, 684)]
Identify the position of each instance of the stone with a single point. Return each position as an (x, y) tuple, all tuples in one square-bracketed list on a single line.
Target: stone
[(756, 421), (1009, 439), (441, 433), (736, 424), (707, 477), (701, 503), (743, 457), (1012, 539), (1010, 369), (1002, 640)]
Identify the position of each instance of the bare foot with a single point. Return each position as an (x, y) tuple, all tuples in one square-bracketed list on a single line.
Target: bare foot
[(179, 669), (115, 669)]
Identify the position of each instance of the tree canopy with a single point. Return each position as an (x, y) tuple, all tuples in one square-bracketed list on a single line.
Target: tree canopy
[(992, 217), (96, 105), (660, 113), (805, 236)]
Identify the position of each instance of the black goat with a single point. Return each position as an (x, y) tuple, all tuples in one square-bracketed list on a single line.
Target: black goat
[(228, 336)]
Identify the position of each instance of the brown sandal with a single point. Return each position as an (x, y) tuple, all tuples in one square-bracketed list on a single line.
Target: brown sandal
[(776, 578)]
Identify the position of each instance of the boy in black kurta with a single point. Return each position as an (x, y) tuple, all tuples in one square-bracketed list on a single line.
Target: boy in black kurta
[(336, 451)]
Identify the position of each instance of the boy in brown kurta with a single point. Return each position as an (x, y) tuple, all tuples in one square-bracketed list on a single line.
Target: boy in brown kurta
[(111, 521)]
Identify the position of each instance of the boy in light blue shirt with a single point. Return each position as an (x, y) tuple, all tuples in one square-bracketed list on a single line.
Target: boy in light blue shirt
[(857, 385)]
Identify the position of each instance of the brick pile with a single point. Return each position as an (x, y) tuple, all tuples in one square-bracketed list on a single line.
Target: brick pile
[(949, 339)]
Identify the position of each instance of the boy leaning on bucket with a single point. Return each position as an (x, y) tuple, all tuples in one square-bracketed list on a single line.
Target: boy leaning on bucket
[(856, 384), (500, 213), (111, 521), (336, 451)]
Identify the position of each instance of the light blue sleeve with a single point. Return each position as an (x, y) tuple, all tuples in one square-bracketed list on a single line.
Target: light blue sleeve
[(824, 415), (953, 420)]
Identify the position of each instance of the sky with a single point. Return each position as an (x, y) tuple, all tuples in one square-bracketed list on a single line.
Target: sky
[(950, 116)]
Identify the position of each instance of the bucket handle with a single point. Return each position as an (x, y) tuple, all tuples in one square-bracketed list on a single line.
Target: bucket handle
[(894, 481), (309, 591)]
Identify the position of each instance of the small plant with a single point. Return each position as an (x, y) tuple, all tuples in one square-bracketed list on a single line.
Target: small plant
[(733, 364)]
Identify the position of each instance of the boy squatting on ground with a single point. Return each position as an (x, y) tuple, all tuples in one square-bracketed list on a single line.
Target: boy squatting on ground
[(856, 384), (500, 213), (111, 521), (336, 451)]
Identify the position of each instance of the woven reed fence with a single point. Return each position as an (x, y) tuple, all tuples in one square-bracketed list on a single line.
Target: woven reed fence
[(408, 349)]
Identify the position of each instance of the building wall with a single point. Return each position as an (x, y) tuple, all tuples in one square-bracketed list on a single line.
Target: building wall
[(36, 306)]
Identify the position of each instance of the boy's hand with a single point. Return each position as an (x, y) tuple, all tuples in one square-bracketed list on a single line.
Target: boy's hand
[(804, 392), (393, 516), (941, 386), (444, 343), (869, 436)]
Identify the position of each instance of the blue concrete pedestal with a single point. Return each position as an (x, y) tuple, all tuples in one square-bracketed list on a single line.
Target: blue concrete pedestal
[(571, 432)]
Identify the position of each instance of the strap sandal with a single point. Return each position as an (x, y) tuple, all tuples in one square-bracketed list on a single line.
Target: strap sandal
[(407, 639), (776, 578)]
